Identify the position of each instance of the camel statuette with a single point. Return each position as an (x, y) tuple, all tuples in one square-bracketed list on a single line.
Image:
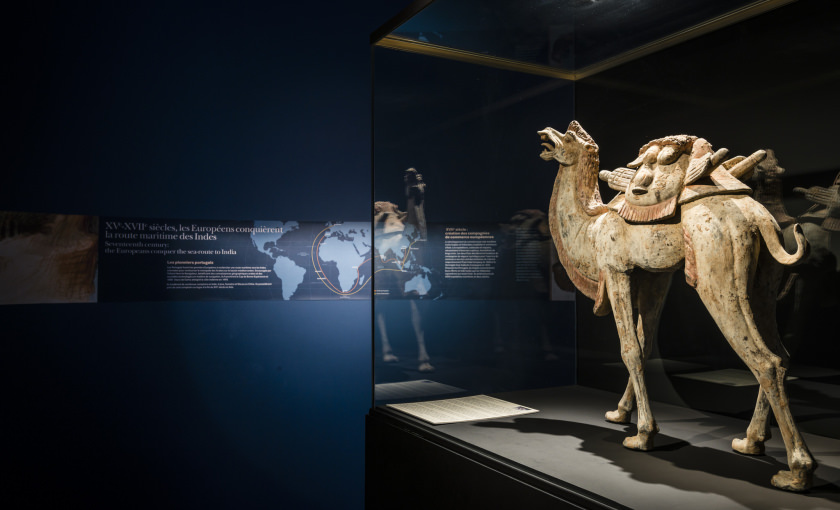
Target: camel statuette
[(682, 206)]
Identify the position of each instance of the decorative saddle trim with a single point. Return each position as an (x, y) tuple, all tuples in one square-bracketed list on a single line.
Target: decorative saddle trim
[(719, 182), (648, 213)]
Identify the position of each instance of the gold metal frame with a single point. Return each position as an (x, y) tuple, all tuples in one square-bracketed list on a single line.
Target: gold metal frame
[(395, 42)]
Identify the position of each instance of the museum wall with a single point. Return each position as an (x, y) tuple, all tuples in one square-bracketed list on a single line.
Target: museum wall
[(197, 110)]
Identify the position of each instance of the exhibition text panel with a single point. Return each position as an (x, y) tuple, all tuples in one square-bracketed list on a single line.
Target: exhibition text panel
[(201, 259)]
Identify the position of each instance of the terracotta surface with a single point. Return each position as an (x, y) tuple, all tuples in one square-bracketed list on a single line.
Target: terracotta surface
[(683, 207)]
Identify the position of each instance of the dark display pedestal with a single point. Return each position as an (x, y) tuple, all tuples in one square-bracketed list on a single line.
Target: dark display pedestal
[(567, 456)]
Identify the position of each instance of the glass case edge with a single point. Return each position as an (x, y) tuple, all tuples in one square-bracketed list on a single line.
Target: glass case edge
[(724, 20), (404, 15), (413, 46), (383, 38)]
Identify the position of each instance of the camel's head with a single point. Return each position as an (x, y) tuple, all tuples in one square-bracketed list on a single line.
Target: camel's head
[(414, 185), (552, 142), (566, 147), (664, 166)]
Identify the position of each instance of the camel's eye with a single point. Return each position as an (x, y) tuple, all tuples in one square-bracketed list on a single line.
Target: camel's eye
[(668, 155)]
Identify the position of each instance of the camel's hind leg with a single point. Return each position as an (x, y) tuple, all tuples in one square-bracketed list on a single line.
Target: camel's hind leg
[(649, 292), (758, 431), (769, 370), (625, 405), (763, 298), (738, 299)]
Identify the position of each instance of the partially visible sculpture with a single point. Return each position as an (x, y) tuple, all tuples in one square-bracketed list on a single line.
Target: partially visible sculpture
[(826, 204), (768, 189), (395, 231), (682, 206), (811, 289), (415, 198)]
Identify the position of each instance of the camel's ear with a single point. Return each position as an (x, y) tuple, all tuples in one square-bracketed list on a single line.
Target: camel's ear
[(581, 133), (575, 127)]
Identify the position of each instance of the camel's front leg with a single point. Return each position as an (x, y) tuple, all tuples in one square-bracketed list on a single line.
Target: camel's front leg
[(649, 293), (632, 353)]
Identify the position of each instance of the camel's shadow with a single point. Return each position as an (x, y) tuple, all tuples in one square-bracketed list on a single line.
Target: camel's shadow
[(675, 462)]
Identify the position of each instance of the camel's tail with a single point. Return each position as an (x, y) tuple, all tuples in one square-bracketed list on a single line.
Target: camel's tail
[(771, 239)]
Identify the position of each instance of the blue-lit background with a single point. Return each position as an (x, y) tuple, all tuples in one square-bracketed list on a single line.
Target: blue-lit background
[(194, 110)]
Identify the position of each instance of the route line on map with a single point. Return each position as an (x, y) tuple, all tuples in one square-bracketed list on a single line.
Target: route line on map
[(316, 261)]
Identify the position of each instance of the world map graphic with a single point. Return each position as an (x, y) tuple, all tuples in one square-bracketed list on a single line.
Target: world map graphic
[(399, 267), (314, 261)]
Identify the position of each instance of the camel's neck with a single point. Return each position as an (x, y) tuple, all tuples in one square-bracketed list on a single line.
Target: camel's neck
[(576, 187), (575, 202)]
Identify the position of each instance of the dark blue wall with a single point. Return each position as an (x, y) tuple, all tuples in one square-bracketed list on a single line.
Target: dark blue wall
[(245, 110)]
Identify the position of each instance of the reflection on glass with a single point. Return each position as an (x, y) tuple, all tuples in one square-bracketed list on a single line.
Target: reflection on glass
[(400, 271)]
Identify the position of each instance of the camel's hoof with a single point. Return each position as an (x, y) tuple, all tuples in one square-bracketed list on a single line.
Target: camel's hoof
[(785, 480), (617, 416), (747, 447), (390, 358), (639, 442), (426, 367)]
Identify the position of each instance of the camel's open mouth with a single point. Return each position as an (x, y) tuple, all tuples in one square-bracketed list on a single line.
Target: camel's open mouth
[(548, 146), (637, 190)]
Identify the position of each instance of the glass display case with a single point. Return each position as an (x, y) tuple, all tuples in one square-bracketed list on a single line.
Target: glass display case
[(463, 290), (470, 297)]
